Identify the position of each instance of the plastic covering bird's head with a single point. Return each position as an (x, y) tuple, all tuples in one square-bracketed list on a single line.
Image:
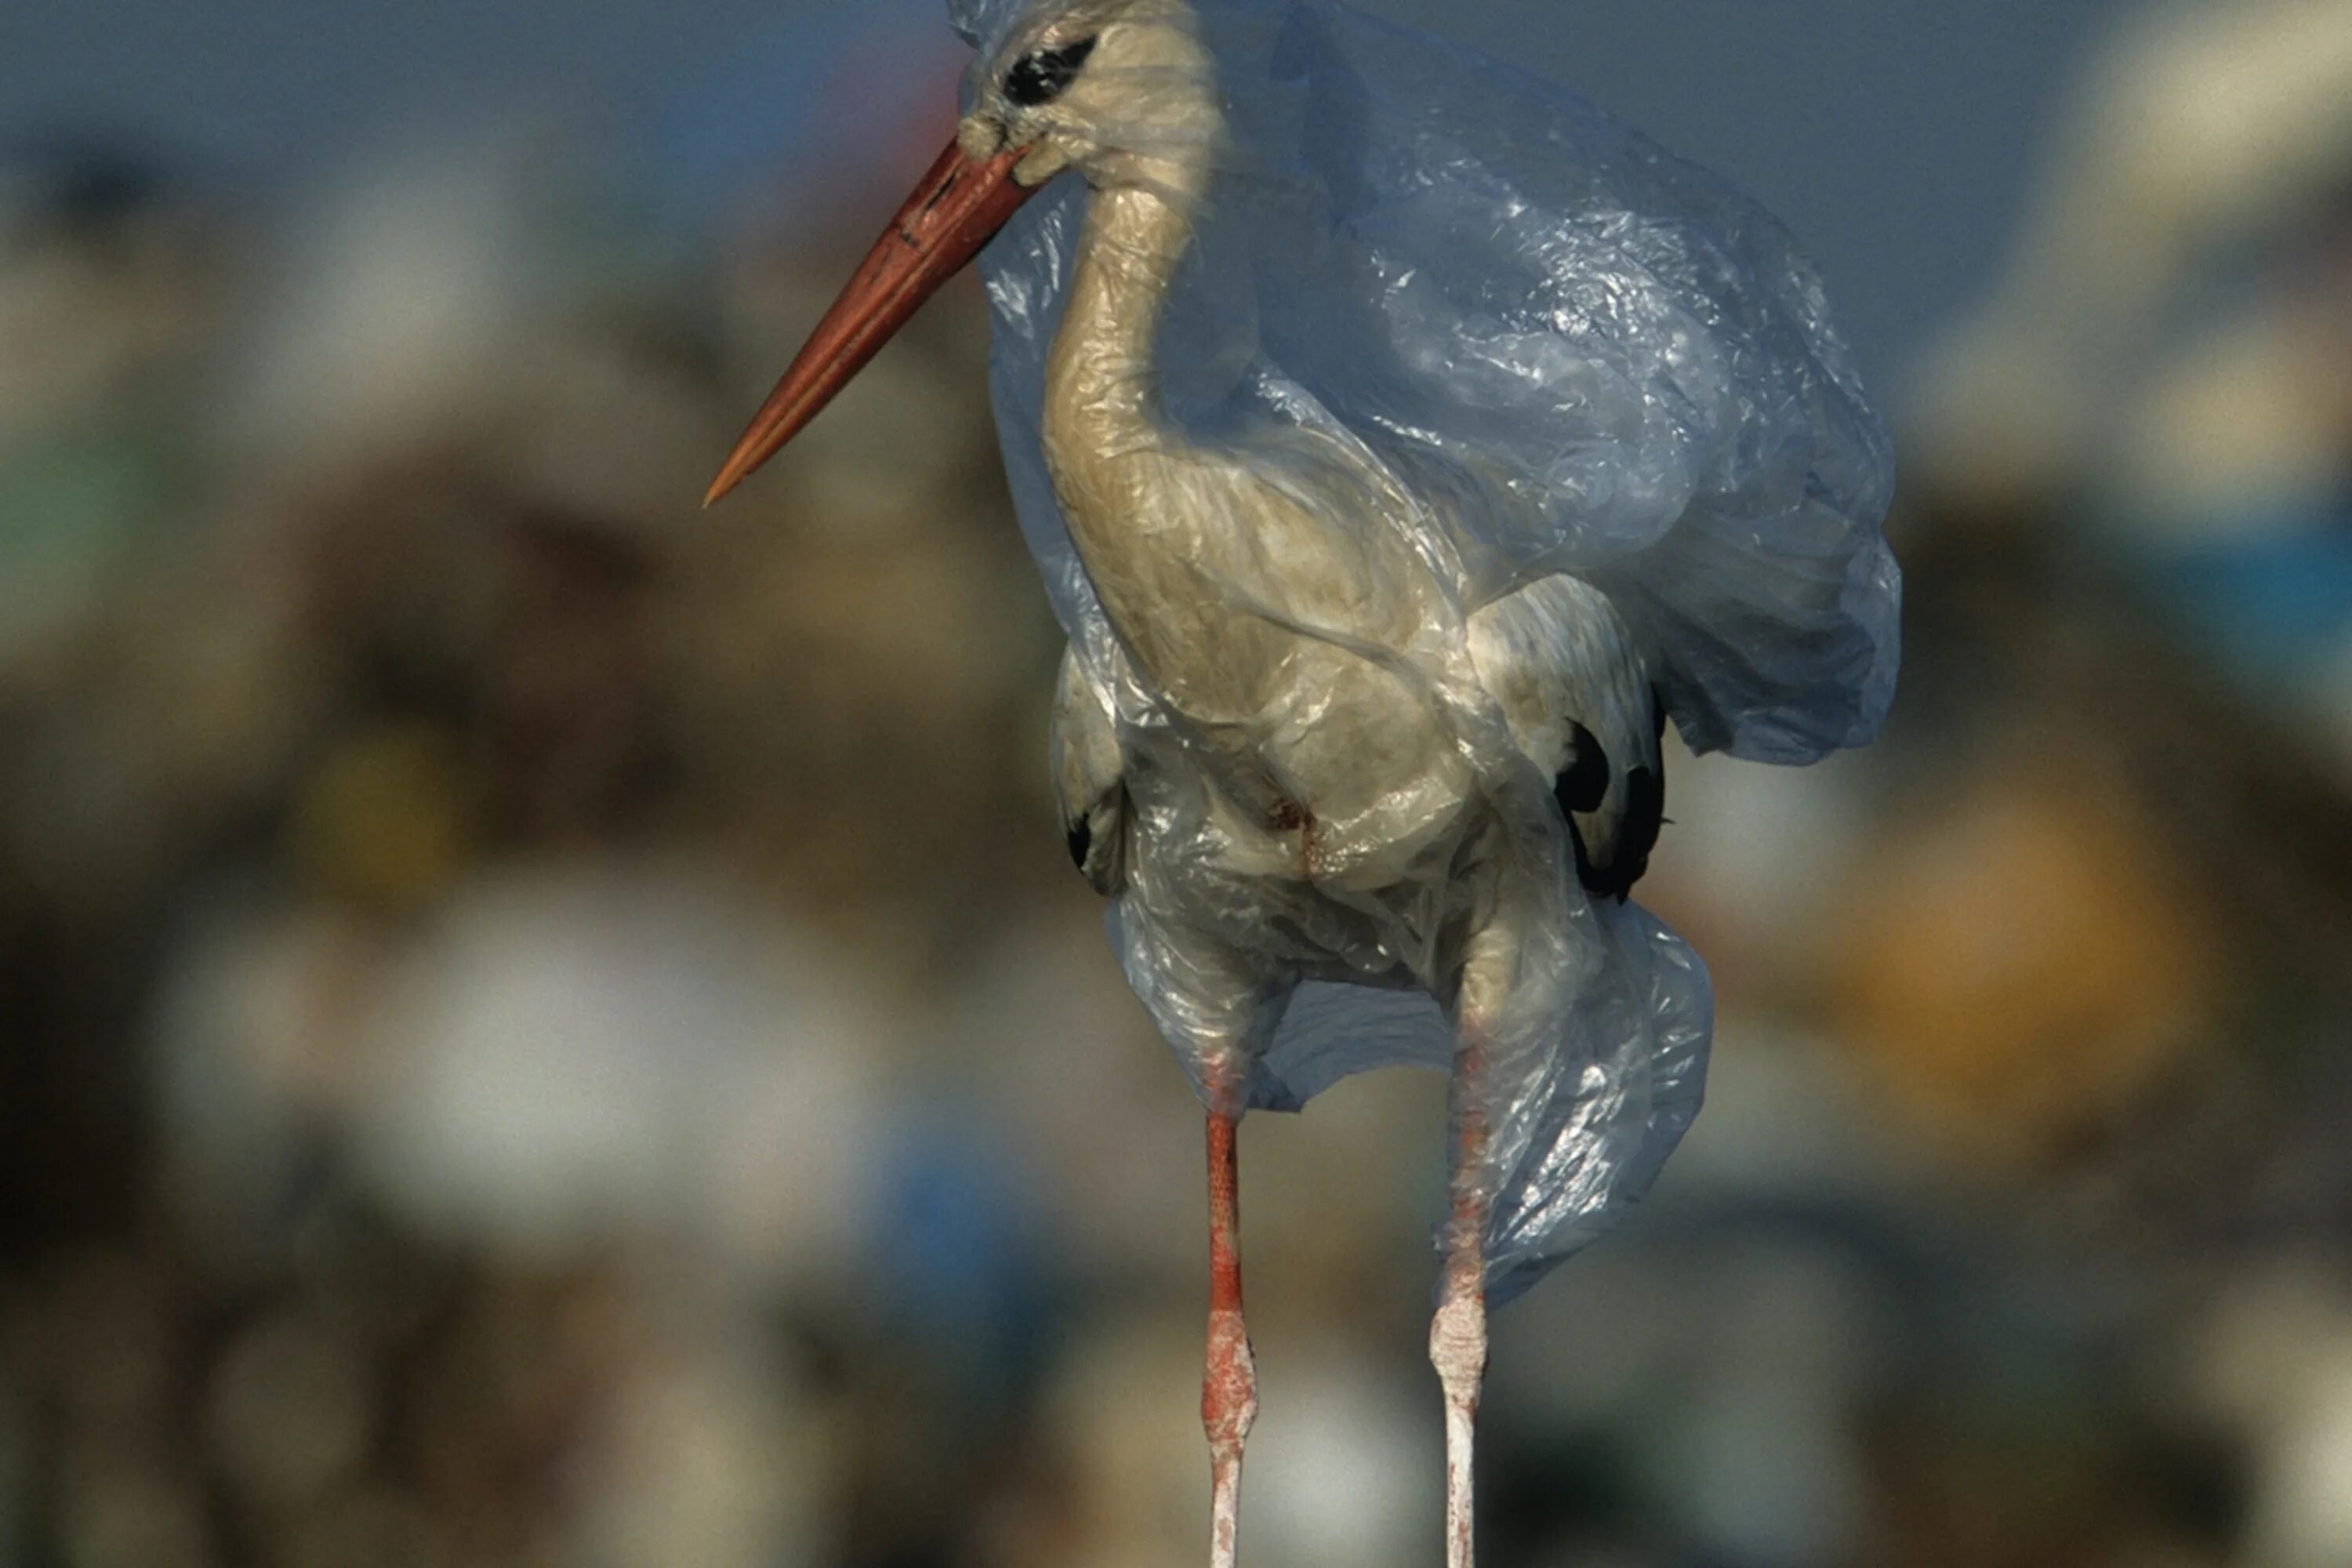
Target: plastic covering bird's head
[(1121, 90)]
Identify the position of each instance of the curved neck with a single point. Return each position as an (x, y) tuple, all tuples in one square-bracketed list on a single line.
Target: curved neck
[(1163, 564), (1101, 377)]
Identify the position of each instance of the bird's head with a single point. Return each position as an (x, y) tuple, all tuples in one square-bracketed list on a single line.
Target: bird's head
[(1121, 90)]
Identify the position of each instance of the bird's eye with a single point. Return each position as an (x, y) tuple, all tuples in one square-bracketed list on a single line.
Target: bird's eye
[(1040, 75)]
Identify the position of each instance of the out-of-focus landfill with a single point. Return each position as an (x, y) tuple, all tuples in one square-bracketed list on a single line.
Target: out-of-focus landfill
[(541, 1026)]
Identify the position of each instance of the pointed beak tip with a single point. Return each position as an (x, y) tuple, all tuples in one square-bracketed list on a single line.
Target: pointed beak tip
[(954, 210), (738, 467)]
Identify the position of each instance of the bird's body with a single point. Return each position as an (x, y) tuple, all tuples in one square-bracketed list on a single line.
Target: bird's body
[(1323, 770), (1310, 805), (1325, 809), (1398, 471)]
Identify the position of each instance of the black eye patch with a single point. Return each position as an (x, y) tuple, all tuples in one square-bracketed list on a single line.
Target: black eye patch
[(1040, 76)]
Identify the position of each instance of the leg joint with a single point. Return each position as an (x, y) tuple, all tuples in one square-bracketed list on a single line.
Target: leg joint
[(1457, 1345), (1229, 1383)]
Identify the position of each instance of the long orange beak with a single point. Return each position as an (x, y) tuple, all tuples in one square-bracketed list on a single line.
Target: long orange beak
[(956, 208)]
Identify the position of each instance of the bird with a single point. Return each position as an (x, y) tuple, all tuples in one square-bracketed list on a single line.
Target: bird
[(1406, 444)]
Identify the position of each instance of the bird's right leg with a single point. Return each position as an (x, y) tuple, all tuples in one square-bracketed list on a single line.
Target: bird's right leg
[(1457, 1334), (1229, 1379)]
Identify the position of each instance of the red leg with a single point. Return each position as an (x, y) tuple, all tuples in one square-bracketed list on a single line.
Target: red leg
[(1457, 1335), (1229, 1380)]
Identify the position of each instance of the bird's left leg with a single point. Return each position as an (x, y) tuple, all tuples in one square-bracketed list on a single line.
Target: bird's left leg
[(1229, 1377)]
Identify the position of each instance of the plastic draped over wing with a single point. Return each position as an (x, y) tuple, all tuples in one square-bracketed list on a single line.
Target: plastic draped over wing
[(1575, 353), (1587, 355)]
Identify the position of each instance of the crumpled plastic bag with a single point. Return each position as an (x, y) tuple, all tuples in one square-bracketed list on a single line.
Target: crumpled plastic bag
[(1578, 354)]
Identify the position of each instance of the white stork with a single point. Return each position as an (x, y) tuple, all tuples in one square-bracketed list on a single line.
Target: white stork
[(1301, 753)]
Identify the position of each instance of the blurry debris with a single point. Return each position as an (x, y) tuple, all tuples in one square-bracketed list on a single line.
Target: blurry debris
[(108, 293), (109, 272), (571, 1058), (1350, 1473), (442, 300), (2093, 946), (2273, 1362), (2206, 128), (289, 1409), (2166, 368), (2025, 959), (383, 818), (716, 1458)]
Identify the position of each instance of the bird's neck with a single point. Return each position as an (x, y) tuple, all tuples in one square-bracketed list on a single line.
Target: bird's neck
[(1164, 559), (1101, 378), (1238, 602)]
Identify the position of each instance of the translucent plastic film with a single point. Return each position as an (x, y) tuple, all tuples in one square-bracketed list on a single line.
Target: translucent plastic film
[(1518, 421), (1593, 355)]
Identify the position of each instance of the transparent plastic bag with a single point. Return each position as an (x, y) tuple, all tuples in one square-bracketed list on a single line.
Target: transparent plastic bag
[(1505, 337)]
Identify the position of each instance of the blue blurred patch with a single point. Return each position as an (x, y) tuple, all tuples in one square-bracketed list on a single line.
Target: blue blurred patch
[(956, 1266), (819, 95), (2276, 600)]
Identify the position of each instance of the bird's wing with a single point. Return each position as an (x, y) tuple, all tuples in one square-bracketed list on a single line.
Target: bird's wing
[(1564, 669), (1089, 782)]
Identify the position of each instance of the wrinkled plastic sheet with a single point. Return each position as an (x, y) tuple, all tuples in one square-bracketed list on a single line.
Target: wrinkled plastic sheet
[(1581, 355)]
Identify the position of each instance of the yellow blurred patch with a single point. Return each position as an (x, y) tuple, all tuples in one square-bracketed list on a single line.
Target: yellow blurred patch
[(2024, 961), (384, 818)]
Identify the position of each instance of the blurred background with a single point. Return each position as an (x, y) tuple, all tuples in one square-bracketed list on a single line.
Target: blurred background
[(541, 1026)]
